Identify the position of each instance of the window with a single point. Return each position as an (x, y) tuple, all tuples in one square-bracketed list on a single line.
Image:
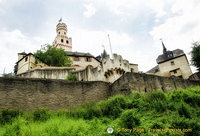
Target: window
[(175, 71), (76, 58), (156, 70), (64, 32), (26, 59), (172, 63), (88, 59), (67, 41), (59, 33), (132, 70), (61, 40)]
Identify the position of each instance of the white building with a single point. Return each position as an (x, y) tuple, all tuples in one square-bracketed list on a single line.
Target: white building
[(85, 66)]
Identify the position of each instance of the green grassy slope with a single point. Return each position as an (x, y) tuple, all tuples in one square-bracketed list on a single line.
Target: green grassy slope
[(154, 113)]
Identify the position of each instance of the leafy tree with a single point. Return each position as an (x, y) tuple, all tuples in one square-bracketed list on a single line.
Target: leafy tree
[(53, 56), (195, 53)]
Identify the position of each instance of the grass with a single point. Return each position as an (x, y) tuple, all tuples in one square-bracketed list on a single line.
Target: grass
[(136, 114)]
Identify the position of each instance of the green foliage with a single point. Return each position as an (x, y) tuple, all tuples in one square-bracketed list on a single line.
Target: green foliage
[(195, 53), (155, 96), (184, 110), (72, 77), (53, 57), (114, 106), (129, 119), (7, 115), (41, 115), (177, 109), (156, 100), (187, 124)]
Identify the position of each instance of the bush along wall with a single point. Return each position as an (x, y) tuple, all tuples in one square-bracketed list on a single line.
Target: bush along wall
[(155, 113)]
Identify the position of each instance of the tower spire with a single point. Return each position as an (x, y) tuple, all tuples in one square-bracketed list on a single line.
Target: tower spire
[(164, 48)]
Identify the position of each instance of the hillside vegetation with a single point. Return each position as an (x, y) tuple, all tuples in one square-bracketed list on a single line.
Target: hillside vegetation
[(155, 113)]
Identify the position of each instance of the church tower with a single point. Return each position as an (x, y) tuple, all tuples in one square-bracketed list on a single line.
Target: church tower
[(61, 40)]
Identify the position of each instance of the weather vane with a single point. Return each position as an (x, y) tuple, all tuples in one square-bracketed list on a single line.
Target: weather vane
[(60, 20)]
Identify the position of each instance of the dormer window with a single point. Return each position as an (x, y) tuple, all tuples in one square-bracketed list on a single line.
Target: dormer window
[(172, 63)]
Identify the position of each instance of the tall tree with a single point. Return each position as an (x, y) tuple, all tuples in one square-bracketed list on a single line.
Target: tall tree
[(195, 53), (53, 56)]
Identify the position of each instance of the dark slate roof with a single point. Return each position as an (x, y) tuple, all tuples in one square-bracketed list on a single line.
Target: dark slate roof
[(22, 53), (153, 70), (164, 57), (79, 54)]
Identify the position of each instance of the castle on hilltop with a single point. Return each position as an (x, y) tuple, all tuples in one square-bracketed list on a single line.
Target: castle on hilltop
[(85, 66)]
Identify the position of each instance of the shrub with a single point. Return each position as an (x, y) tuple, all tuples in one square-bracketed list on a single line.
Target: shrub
[(156, 100), (157, 125), (129, 119), (155, 96), (114, 106), (184, 110), (136, 100), (92, 110), (41, 115), (192, 99), (159, 106), (7, 115), (187, 124), (72, 77)]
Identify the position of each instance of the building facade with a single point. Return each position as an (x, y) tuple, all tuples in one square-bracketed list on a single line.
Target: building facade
[(172, 63)]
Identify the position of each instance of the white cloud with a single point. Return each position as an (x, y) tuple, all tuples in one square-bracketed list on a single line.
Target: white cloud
[(91, 41), (12, 43), (181, 30), (90, 10)]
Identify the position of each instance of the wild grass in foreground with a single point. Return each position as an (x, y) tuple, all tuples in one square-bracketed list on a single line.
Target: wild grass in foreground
[(137, 114)]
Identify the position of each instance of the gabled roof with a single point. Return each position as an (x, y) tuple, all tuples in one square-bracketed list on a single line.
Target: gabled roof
[(164, 57), (154, 69)]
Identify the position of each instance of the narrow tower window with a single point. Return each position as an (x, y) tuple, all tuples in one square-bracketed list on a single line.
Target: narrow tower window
[(67, 41), (61, 40)]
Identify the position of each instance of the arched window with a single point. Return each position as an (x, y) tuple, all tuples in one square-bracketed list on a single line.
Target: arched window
[(67, 41), (61, 40)]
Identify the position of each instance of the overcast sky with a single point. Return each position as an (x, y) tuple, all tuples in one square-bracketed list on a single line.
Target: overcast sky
[(134, 26)]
